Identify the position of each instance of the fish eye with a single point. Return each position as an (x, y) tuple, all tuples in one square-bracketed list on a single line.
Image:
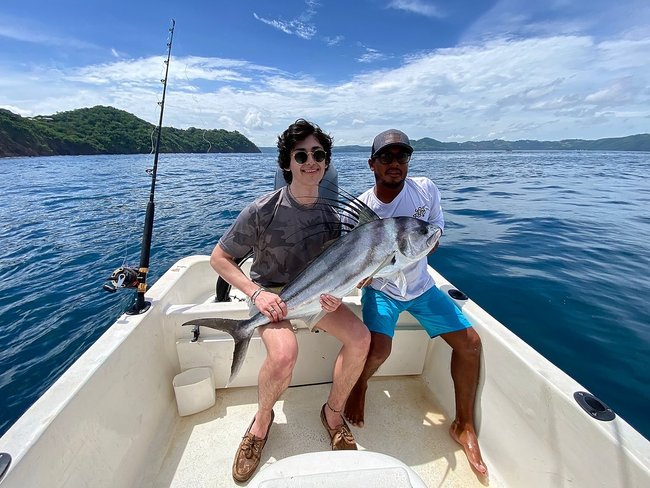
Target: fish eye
[(423, 231)]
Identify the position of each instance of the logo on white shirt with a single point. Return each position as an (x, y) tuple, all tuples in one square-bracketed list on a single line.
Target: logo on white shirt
[(420, 212)]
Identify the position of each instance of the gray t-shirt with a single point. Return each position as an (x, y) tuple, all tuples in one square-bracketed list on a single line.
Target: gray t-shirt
[(283, 234)]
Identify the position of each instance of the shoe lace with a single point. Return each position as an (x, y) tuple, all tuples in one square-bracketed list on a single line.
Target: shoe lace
[(345, 434), (250, 445)]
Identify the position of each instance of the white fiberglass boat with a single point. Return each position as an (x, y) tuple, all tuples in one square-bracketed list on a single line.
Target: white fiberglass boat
[(147, 406), (112, 419)]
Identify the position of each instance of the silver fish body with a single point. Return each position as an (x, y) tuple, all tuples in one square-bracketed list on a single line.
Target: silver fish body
[(379, 248)]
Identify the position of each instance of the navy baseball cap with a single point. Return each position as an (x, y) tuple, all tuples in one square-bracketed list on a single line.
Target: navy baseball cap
[(390, 137)]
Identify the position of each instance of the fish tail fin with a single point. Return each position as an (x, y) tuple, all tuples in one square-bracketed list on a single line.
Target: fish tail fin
[(238, 355), (238, 330)]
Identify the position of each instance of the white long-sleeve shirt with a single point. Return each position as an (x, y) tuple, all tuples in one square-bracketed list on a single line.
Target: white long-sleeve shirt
[(420, 198)]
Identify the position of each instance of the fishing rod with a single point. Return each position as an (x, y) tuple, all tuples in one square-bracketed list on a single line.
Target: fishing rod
[(128, 277)]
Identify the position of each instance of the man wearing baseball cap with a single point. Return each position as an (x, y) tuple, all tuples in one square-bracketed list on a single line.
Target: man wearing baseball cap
[(396, 194)]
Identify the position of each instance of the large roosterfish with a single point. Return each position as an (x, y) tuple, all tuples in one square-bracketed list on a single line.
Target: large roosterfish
[(374, 248)]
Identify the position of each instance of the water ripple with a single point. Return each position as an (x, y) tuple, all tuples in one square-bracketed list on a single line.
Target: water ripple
[(555, 245)]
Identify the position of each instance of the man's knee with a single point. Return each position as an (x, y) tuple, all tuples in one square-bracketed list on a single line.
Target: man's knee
[(283, 360), (380, 347), (469, 345), (366, 337), (359, 337)]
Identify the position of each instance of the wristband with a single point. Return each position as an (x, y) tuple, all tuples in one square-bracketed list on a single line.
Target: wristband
[(256, 293)]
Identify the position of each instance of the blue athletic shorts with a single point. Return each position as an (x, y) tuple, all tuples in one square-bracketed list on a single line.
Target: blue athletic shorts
[(435, 312)]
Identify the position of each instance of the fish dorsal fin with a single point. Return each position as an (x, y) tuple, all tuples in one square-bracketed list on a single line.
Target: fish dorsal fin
[(353, 212), (366, 214)]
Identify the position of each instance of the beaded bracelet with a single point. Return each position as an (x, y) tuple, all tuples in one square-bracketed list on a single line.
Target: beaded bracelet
[(256, 293)]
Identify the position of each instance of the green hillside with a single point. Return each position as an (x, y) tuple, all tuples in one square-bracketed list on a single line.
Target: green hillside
[(639, 142), (106, 130)]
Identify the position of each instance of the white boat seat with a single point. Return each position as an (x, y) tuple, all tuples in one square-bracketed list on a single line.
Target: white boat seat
[(361, 469)]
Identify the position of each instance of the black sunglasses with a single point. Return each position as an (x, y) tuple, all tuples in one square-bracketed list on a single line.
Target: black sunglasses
[(389, 157), (301, 155)]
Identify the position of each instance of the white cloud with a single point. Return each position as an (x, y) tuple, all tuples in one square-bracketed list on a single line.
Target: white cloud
[(417, 7), (599, 19), (254, 119), (301, 26), (295, 27), (371, 55), (18, 110), (333, 41), (616, 93), (546, 88)]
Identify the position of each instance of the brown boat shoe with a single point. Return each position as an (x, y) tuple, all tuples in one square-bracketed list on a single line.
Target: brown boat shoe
[(249, 453), (341, 437)]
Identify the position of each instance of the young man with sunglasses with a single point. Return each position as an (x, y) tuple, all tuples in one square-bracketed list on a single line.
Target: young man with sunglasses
[(396, 194), (286, 229)]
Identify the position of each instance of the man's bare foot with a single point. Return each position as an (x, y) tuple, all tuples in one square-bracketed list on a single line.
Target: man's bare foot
[(467, 439), (355, 405)]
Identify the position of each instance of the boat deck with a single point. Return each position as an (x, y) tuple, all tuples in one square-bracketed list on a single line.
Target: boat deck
[(402, 420)]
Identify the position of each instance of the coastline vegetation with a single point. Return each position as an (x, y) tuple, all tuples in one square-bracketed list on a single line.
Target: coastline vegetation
[(638, 142), (107, 130)]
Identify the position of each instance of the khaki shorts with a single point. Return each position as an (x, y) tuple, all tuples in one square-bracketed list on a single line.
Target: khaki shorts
[(309, 321)]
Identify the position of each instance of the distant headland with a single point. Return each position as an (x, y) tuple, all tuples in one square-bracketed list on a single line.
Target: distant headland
[(638, 142), (107, 130)]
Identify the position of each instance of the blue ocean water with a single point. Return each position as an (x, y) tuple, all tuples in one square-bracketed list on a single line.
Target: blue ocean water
[(555, 245)]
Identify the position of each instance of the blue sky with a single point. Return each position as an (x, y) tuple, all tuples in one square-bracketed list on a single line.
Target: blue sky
[(452, 70)]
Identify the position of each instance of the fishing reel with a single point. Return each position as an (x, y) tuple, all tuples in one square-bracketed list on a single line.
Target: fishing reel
[(122, 277)]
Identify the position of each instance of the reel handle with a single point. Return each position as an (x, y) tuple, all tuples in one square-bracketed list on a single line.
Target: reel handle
[(122, 277)]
